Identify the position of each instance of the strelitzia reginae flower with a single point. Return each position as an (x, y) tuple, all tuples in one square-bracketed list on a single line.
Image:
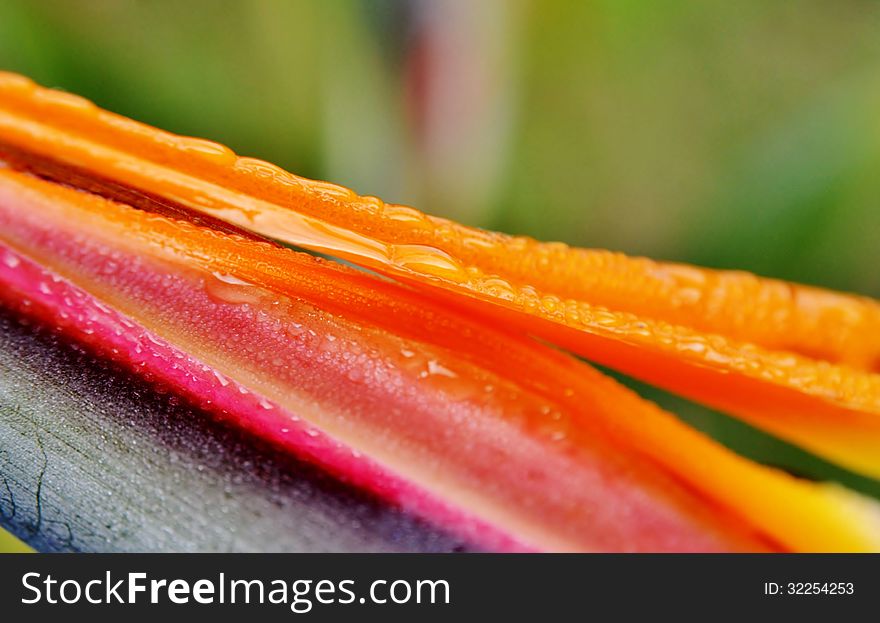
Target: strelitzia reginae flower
[(440, 378)]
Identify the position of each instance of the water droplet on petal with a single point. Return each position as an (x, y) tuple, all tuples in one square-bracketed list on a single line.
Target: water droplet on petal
[(225, 288), (10, 260), (428, 260)]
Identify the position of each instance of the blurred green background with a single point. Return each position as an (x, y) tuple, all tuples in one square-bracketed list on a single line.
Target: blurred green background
[(742, 134), (733, 134)]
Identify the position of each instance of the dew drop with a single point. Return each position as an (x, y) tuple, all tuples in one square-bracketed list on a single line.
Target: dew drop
[(231, 279), (428, 260), (550, 304), (11, 261), (208, 150), (294, 329), (499, 288), (437, 369), (226, 288), (696, 346), (220, 378), (403, 214)]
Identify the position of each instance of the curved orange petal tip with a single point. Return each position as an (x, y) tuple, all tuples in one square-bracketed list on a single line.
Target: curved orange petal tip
[(403, 389)]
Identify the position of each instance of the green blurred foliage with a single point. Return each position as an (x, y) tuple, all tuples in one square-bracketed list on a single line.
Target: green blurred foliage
[(737, 134), (733, 134)]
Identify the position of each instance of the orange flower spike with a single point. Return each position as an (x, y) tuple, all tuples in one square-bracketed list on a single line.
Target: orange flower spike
[(158, 272), (727, 339)]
